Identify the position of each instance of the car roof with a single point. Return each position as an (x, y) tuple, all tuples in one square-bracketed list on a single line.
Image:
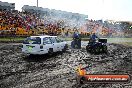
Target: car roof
[(43, 36)]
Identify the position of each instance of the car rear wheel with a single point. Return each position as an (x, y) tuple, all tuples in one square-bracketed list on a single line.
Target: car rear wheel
[(50, 52), (31, 55), (97, 50), (104, 49), (88, 48)]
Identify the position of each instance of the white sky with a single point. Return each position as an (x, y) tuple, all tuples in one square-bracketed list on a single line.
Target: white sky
[(95, 9)]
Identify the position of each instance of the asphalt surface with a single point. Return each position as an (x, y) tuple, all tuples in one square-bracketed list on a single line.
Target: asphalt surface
[(18, 70)]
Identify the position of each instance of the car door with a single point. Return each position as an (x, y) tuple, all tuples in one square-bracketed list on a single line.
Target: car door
[(54, 44), (47, 44), (60, 43)]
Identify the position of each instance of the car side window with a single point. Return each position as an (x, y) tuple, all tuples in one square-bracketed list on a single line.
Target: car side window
[(46, 40), (53, 40), (58, 40)]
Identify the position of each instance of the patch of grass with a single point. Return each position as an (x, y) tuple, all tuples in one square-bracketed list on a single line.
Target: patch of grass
[(110, 40), (119, 39), (125, 43), (12, 39), (70, 39)]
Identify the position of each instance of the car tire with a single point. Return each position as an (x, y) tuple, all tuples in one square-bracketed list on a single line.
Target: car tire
[(88, 48), (92, 51), (32, 55), (104, 49), (50, 52), (97, 50), (65, 48)]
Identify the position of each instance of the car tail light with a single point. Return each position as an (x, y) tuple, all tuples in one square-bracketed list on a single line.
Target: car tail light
[(41, 46)]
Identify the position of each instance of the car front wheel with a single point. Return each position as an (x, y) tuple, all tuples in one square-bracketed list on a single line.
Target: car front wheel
[(65, 48)]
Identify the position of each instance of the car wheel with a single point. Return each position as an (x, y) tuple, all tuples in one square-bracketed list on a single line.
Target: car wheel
[(101, 49), (50, 52), (31, 55), (88, 48), (97, 50), (92, 51), (104, 49), (65, 48)]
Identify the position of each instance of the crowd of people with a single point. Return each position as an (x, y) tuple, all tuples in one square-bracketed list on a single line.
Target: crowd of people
[(27, 23), (17, 21), (103, 28), (24, 22)]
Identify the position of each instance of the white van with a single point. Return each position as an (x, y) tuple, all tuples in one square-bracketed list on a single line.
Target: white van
[(43, 44)]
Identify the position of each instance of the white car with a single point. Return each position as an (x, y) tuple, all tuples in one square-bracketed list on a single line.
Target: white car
[(43, 44)]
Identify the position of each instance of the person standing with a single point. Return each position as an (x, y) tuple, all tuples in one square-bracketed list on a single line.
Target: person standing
[(93, 38)]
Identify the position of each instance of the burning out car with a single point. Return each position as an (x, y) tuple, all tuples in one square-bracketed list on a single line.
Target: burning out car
[(37, 45)]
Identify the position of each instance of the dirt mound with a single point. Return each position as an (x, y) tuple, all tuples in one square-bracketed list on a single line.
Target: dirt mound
[(19, 70)]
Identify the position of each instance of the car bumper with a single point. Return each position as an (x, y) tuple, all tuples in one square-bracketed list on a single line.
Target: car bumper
[(35, 52)]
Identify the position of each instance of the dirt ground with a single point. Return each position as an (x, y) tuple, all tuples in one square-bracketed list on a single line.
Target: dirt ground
[(18, 70)]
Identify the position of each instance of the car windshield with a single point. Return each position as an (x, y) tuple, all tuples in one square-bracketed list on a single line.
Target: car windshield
[(32, 40)]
